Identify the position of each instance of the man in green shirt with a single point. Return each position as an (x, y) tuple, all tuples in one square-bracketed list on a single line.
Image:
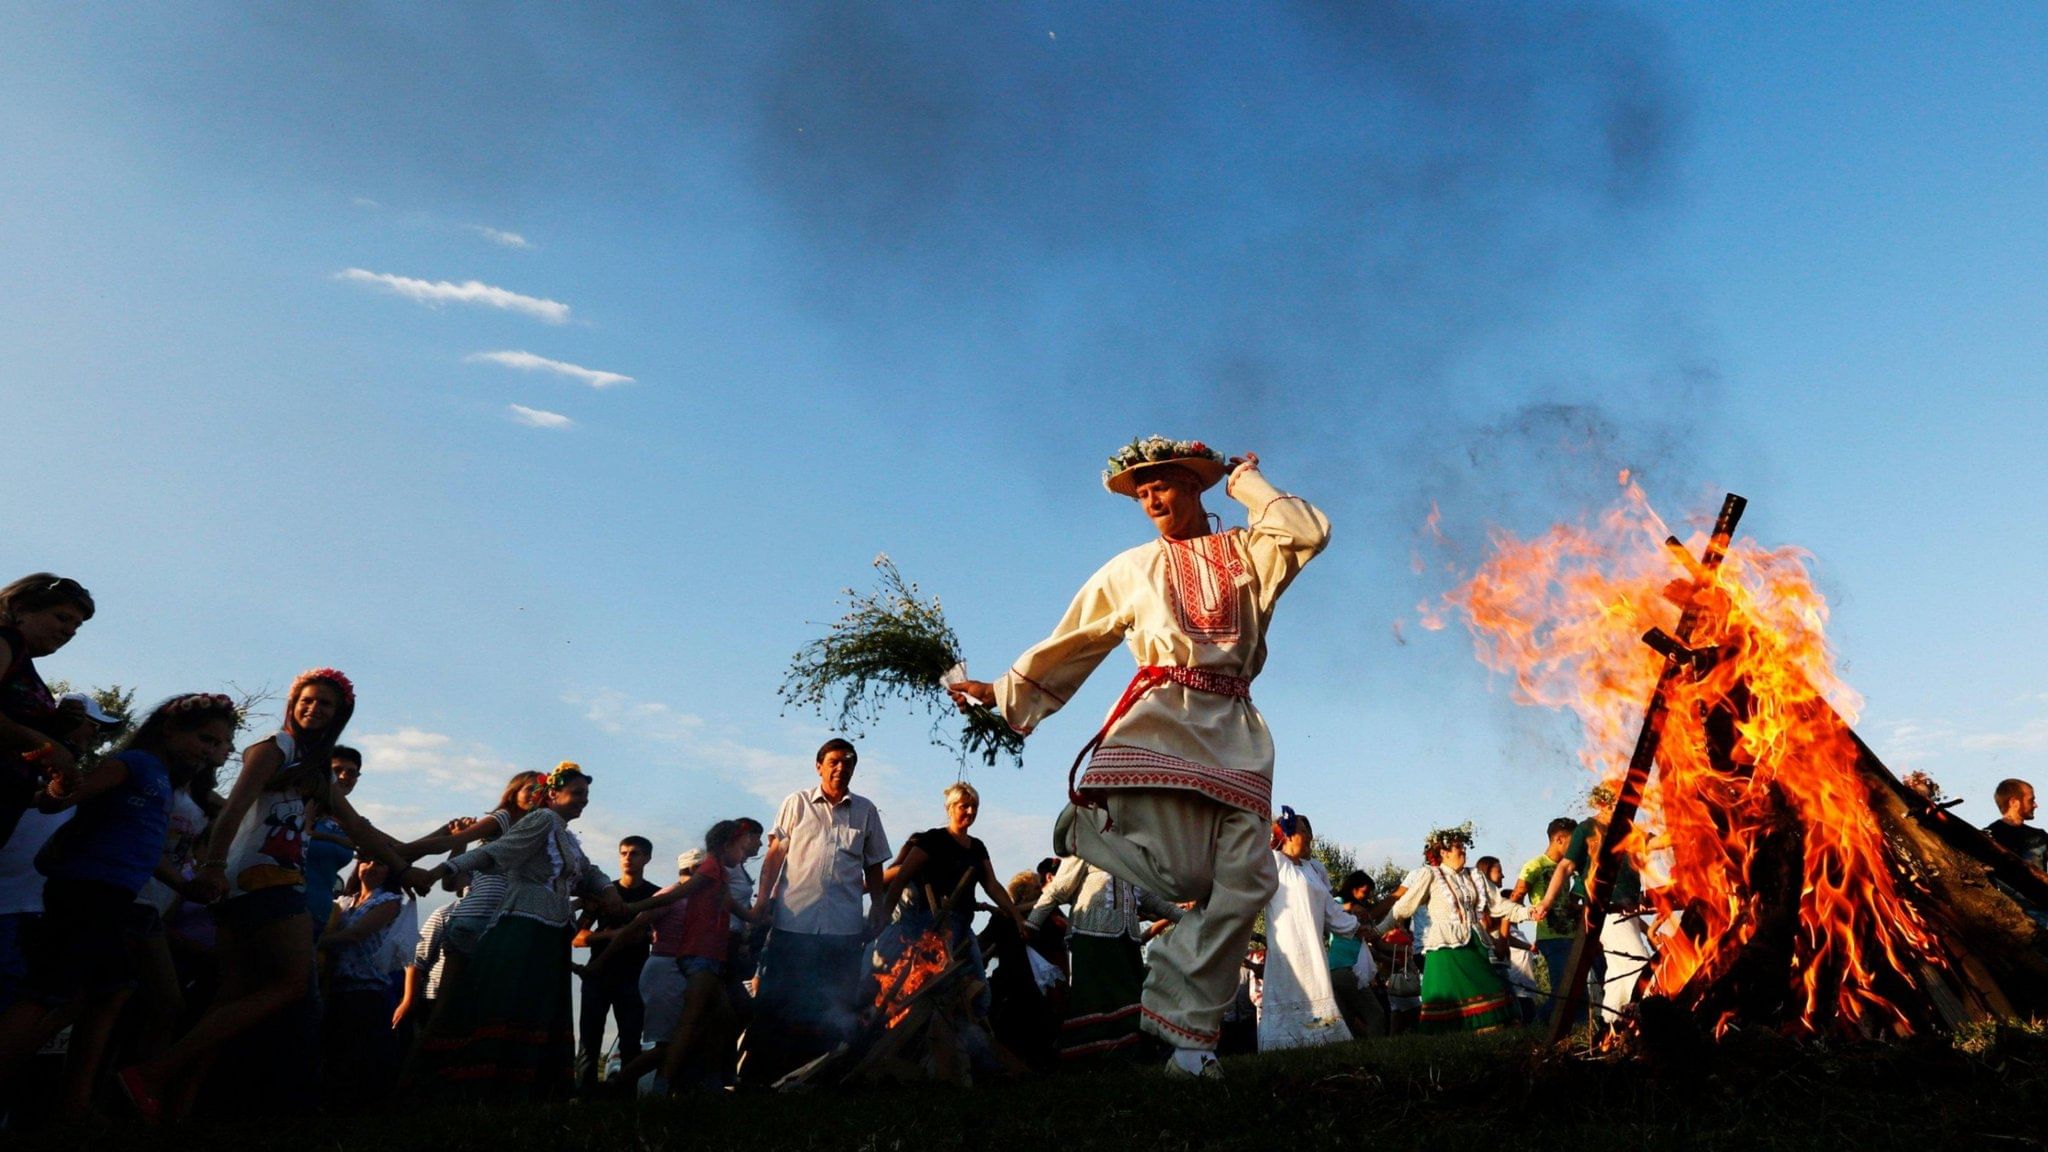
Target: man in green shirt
[(1625, 950), (1553, 932)]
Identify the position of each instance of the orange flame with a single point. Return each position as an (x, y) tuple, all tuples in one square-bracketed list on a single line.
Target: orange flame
[(1756, 751), (920, 962)]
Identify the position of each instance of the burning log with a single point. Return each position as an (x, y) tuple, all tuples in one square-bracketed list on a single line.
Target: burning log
[(1989, 959), (1998, 954)]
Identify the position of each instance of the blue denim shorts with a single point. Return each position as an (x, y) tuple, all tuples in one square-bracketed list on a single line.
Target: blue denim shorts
[(691, 965)]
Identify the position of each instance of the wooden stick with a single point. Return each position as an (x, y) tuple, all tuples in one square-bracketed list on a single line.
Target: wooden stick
[(1607, 860)]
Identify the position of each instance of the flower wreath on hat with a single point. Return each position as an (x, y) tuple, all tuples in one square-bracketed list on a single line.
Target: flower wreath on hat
[(1130, 461), (564, 772)]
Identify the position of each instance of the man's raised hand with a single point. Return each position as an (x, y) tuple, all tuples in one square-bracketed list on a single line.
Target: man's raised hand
[(967, 693)]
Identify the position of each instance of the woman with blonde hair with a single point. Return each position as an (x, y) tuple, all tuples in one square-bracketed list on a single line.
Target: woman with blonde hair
[(939, 868), (939, 864)]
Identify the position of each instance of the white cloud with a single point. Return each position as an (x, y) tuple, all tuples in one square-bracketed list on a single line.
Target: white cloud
[(2031, 736), (1916, 743), (528, 362), (433, 758), (438, 292), (414, 780), (907, 800), (765, 774), (365, 202), (537, 418), (506, 239)]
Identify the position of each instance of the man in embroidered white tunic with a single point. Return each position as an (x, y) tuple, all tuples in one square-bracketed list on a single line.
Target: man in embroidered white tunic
[(1177, 791)]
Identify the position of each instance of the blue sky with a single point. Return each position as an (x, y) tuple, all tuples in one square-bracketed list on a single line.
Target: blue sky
[(895, 279)]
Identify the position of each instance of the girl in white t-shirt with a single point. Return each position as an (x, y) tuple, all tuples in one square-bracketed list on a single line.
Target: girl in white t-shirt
[(255, 860)]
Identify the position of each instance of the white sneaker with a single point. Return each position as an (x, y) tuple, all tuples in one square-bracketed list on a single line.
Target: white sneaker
[(1194, 1064)]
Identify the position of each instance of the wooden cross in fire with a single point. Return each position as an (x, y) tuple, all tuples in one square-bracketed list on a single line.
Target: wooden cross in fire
[(1679, 658)]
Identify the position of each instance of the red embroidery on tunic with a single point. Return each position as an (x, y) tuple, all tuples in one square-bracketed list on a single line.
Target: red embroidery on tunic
[(1205, 592)]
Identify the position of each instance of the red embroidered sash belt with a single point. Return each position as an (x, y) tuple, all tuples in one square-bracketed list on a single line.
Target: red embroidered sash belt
[(1151, 676)]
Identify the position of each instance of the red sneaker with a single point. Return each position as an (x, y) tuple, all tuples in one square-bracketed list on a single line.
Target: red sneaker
[(151, 1109)]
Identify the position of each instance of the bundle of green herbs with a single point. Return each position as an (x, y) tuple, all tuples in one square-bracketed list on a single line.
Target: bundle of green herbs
[(893, 644)]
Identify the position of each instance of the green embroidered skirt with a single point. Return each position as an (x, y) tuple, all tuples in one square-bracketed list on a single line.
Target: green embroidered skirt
[(1460, 993)]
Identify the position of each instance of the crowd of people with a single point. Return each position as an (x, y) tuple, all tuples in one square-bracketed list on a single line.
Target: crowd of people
[(210, 949)]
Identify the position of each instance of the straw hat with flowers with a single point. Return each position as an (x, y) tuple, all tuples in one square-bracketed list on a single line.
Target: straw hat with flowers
[(1132, 462)]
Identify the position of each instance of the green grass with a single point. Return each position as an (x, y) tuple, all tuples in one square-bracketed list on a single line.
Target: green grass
[(1981, 1091)]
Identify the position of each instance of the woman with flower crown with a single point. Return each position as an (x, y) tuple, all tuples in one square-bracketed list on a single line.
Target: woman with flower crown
[(1174, 793), (505, 1028), (81, 967), (254, 866), (1460, 992)]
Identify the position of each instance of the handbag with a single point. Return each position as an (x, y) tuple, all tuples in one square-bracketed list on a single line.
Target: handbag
[(1404, 980)]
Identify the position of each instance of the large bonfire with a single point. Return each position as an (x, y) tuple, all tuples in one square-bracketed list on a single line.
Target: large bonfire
[(1757, 821)]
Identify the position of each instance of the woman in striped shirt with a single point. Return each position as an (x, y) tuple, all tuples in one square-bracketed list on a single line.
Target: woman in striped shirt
[(505, 1027)]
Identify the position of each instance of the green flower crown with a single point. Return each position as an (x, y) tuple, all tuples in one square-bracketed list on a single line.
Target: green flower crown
[(1441, 838), (1158, 450)]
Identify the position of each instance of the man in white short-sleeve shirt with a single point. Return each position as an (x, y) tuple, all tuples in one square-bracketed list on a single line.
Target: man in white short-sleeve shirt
[(826, 849)]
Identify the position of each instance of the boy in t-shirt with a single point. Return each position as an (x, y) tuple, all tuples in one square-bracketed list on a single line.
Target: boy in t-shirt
[(1625, 950), (1554, 932)]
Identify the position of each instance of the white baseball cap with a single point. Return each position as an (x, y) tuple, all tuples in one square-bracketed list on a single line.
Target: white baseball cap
[(92, 709)]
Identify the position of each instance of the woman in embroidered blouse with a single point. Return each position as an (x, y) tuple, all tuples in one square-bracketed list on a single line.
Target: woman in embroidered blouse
[(1105, 948), (477, 910), (1460, 992), (505, 1027)]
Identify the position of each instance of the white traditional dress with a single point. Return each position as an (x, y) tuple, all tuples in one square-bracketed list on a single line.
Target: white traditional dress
[(1300, 1007), (1183, 767)]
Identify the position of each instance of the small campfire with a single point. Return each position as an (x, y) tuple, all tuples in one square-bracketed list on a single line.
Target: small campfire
[(1795, 883), (924, 960), (921, 1024)]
